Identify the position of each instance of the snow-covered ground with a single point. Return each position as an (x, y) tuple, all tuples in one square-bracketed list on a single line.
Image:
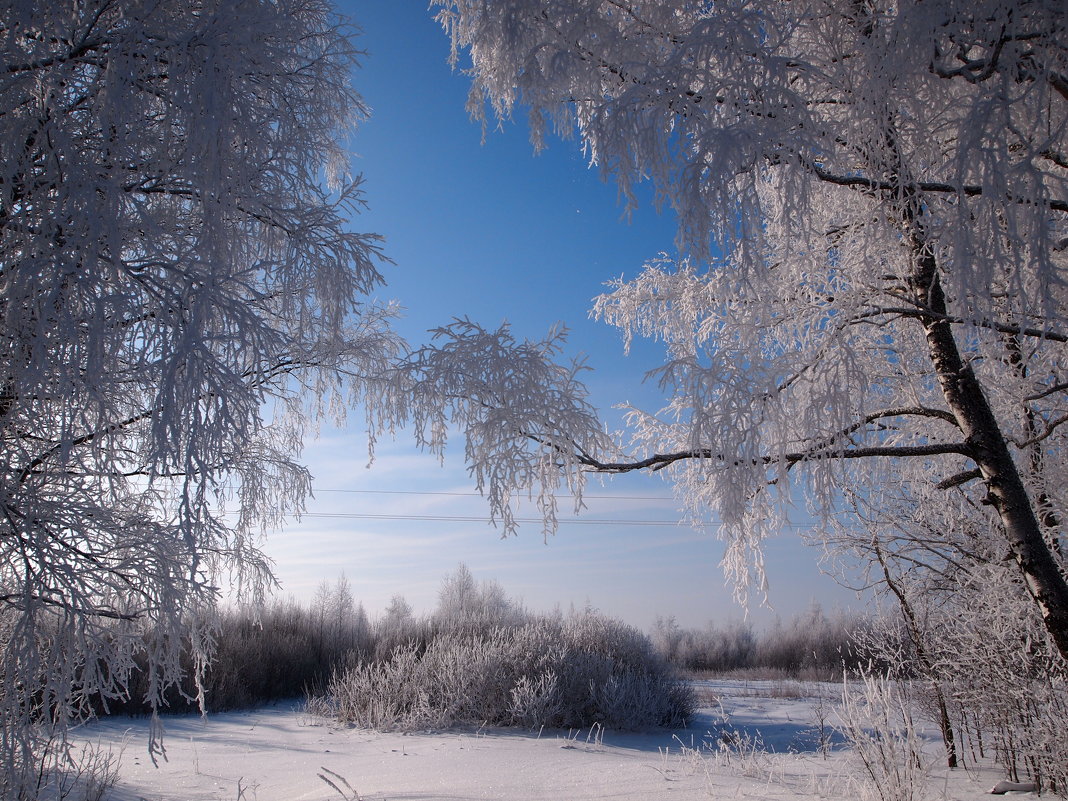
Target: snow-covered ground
[(279, 754)]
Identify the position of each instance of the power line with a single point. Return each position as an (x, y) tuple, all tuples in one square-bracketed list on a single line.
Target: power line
[(479, 495), (567, 521), (476, 519)]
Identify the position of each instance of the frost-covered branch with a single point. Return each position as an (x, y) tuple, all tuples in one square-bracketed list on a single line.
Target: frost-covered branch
[(659, 461), (525, 419), (869, 184)]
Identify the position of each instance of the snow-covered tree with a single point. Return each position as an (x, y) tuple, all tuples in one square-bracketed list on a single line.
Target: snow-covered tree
[(458, 596), (398, 613), (342, 615), (465, 602), (873, 220), (179, 301)]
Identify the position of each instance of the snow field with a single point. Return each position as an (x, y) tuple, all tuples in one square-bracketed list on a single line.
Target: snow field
[(754, 740)]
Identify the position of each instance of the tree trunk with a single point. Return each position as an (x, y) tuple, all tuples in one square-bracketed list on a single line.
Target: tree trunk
[(987, 446)]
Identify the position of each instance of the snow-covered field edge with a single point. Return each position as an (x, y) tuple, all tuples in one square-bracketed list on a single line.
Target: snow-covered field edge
[(750, 739)]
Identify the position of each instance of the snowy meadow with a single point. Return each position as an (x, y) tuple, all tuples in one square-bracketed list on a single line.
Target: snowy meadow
[(747, 739), (484, 699)]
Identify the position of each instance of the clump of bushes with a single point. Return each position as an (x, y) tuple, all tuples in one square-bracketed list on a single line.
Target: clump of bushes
[(273, 653), (556, 672), (479, 658)]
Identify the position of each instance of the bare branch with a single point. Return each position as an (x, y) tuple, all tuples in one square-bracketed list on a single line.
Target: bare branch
[(960, 479)]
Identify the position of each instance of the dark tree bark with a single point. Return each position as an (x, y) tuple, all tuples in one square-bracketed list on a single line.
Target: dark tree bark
[(987, 446)]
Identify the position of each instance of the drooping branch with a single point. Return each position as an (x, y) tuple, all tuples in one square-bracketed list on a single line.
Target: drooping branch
[(90, 436), (19, 601), (73, 54)]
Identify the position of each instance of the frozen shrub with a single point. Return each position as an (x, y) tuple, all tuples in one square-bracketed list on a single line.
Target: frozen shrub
[(58, 771), (1007, 686), (534, 699), (259, 656), (878, 722), (631, 699), (481, 658), (984, 668), (380, 695), (574, 673), (454, 679)]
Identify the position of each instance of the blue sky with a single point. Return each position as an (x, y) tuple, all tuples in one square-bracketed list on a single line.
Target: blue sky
[(493, 232)]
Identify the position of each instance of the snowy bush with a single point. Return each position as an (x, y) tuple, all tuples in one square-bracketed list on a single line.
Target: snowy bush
[(59, 771), (380, 695), (499, 664), (282, 650), (571, 673), (878, 722)]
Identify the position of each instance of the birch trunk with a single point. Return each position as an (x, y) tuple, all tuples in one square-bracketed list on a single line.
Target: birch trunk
[(1006, 492)]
